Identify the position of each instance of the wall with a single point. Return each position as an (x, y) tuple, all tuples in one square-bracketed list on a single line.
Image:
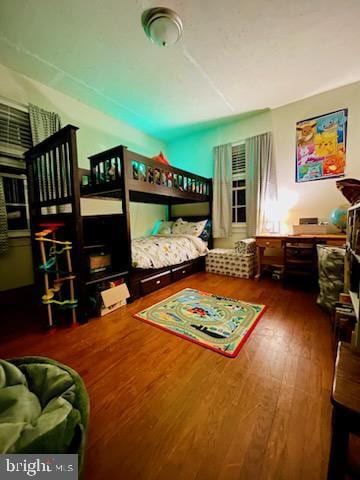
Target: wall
[(301, 200), (195, 153), (318, 198), (97, 132)]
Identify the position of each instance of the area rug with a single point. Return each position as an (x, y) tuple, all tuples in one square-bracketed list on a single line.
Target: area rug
[(219, 323)]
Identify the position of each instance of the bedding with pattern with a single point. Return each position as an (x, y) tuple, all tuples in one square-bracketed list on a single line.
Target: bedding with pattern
[(159, 251)]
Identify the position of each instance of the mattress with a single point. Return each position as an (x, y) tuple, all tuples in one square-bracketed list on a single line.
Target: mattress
[(157, 251)]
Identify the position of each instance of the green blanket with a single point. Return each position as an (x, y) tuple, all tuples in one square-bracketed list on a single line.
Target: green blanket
[(44, 407)]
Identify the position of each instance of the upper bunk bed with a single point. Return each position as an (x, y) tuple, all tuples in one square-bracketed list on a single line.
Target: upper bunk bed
[(117, 170), (55, 178)]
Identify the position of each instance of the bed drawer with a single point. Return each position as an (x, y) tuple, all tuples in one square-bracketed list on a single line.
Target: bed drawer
[(181, 272), (151, 284)]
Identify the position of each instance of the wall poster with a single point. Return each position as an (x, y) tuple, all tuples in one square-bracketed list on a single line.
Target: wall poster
[(321, 146)]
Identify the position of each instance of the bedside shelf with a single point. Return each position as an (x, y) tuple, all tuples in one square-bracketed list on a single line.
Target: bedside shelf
[(96, 245), (104, 276)]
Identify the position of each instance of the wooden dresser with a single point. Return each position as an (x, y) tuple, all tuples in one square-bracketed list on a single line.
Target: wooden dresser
[(276, 247)]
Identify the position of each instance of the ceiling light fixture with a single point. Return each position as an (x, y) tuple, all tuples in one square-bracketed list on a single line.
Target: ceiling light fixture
[(162, 26)]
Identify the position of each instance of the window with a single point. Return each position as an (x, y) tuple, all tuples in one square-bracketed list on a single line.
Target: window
[(238, 184), (15, 139), (16, 202)]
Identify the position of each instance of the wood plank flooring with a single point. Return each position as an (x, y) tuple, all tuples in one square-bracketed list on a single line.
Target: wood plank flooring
[(165, 408)]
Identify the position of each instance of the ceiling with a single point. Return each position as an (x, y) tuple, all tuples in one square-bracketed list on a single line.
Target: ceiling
[(236, 56)]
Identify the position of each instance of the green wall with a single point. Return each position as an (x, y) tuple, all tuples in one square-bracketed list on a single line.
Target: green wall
[(97, 132), (193, 152)]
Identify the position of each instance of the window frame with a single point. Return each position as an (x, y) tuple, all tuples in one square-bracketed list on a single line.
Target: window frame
[(12, 165), (26, 231), (236, 177)]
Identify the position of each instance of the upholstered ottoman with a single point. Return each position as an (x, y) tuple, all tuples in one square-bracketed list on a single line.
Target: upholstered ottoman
[(229, 262)]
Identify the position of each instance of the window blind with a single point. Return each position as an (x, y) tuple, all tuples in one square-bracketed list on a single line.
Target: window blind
[(15, 132), (238, 159)]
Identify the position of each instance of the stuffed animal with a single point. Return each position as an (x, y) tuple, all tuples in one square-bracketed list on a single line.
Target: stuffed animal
[(306, 133), (161, 158), (135, 169), (157, 176), (163, 178), (112, 172), (141, 172), (150, 175)]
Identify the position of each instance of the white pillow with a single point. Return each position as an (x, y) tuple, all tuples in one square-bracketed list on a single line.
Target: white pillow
[(195, 229), (165, 228)]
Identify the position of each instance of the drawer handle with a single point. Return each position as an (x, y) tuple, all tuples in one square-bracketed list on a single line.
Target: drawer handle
[(184, 271), (267, 243), (158, 282)]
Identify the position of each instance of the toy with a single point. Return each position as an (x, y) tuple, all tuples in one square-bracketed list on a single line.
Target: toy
[(163, 178), (142, 172), (50, 266), (135, 169), (112, 172), (150, 175), (161, 158), (157, 176)]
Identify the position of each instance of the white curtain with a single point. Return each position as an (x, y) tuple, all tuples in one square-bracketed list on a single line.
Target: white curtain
[(43, 123), (222, 187), (261, 185), (4, 244)]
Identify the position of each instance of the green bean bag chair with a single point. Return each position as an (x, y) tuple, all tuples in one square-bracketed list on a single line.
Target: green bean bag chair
[(44, 408)]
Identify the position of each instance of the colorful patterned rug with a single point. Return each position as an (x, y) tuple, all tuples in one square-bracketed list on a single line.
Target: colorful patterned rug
[(219, 323)]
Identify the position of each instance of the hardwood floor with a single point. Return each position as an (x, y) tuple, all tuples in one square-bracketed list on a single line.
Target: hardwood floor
[(165, 408)]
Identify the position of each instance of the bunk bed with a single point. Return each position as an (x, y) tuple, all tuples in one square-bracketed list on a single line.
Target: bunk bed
[(58, 190)]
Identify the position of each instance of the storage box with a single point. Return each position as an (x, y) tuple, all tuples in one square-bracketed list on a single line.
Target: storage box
[(114, 298), (310, 229), (99, 262), (229, 262)]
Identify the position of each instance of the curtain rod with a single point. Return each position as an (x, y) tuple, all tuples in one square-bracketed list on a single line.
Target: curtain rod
[(6, 99)]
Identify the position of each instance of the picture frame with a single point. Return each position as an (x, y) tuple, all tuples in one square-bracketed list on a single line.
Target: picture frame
[(321, 146)]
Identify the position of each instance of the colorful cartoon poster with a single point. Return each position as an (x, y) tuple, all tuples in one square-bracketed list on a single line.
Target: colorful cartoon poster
[(321, 147)]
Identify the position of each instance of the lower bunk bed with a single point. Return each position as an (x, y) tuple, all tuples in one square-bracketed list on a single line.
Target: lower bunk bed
[(178, 252)]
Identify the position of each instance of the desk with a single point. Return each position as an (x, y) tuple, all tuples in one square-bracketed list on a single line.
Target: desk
[(277, 244)]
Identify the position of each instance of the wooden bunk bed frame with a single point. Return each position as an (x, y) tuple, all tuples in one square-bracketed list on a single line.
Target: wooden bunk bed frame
[(54, 183)]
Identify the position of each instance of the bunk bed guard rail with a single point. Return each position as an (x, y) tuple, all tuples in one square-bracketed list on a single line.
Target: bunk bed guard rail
[(52, 169), (146, 175)]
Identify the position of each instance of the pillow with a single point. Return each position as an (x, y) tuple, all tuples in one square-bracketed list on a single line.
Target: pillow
[(246, 246), (165, 228), (206, 233), (181, 227)]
